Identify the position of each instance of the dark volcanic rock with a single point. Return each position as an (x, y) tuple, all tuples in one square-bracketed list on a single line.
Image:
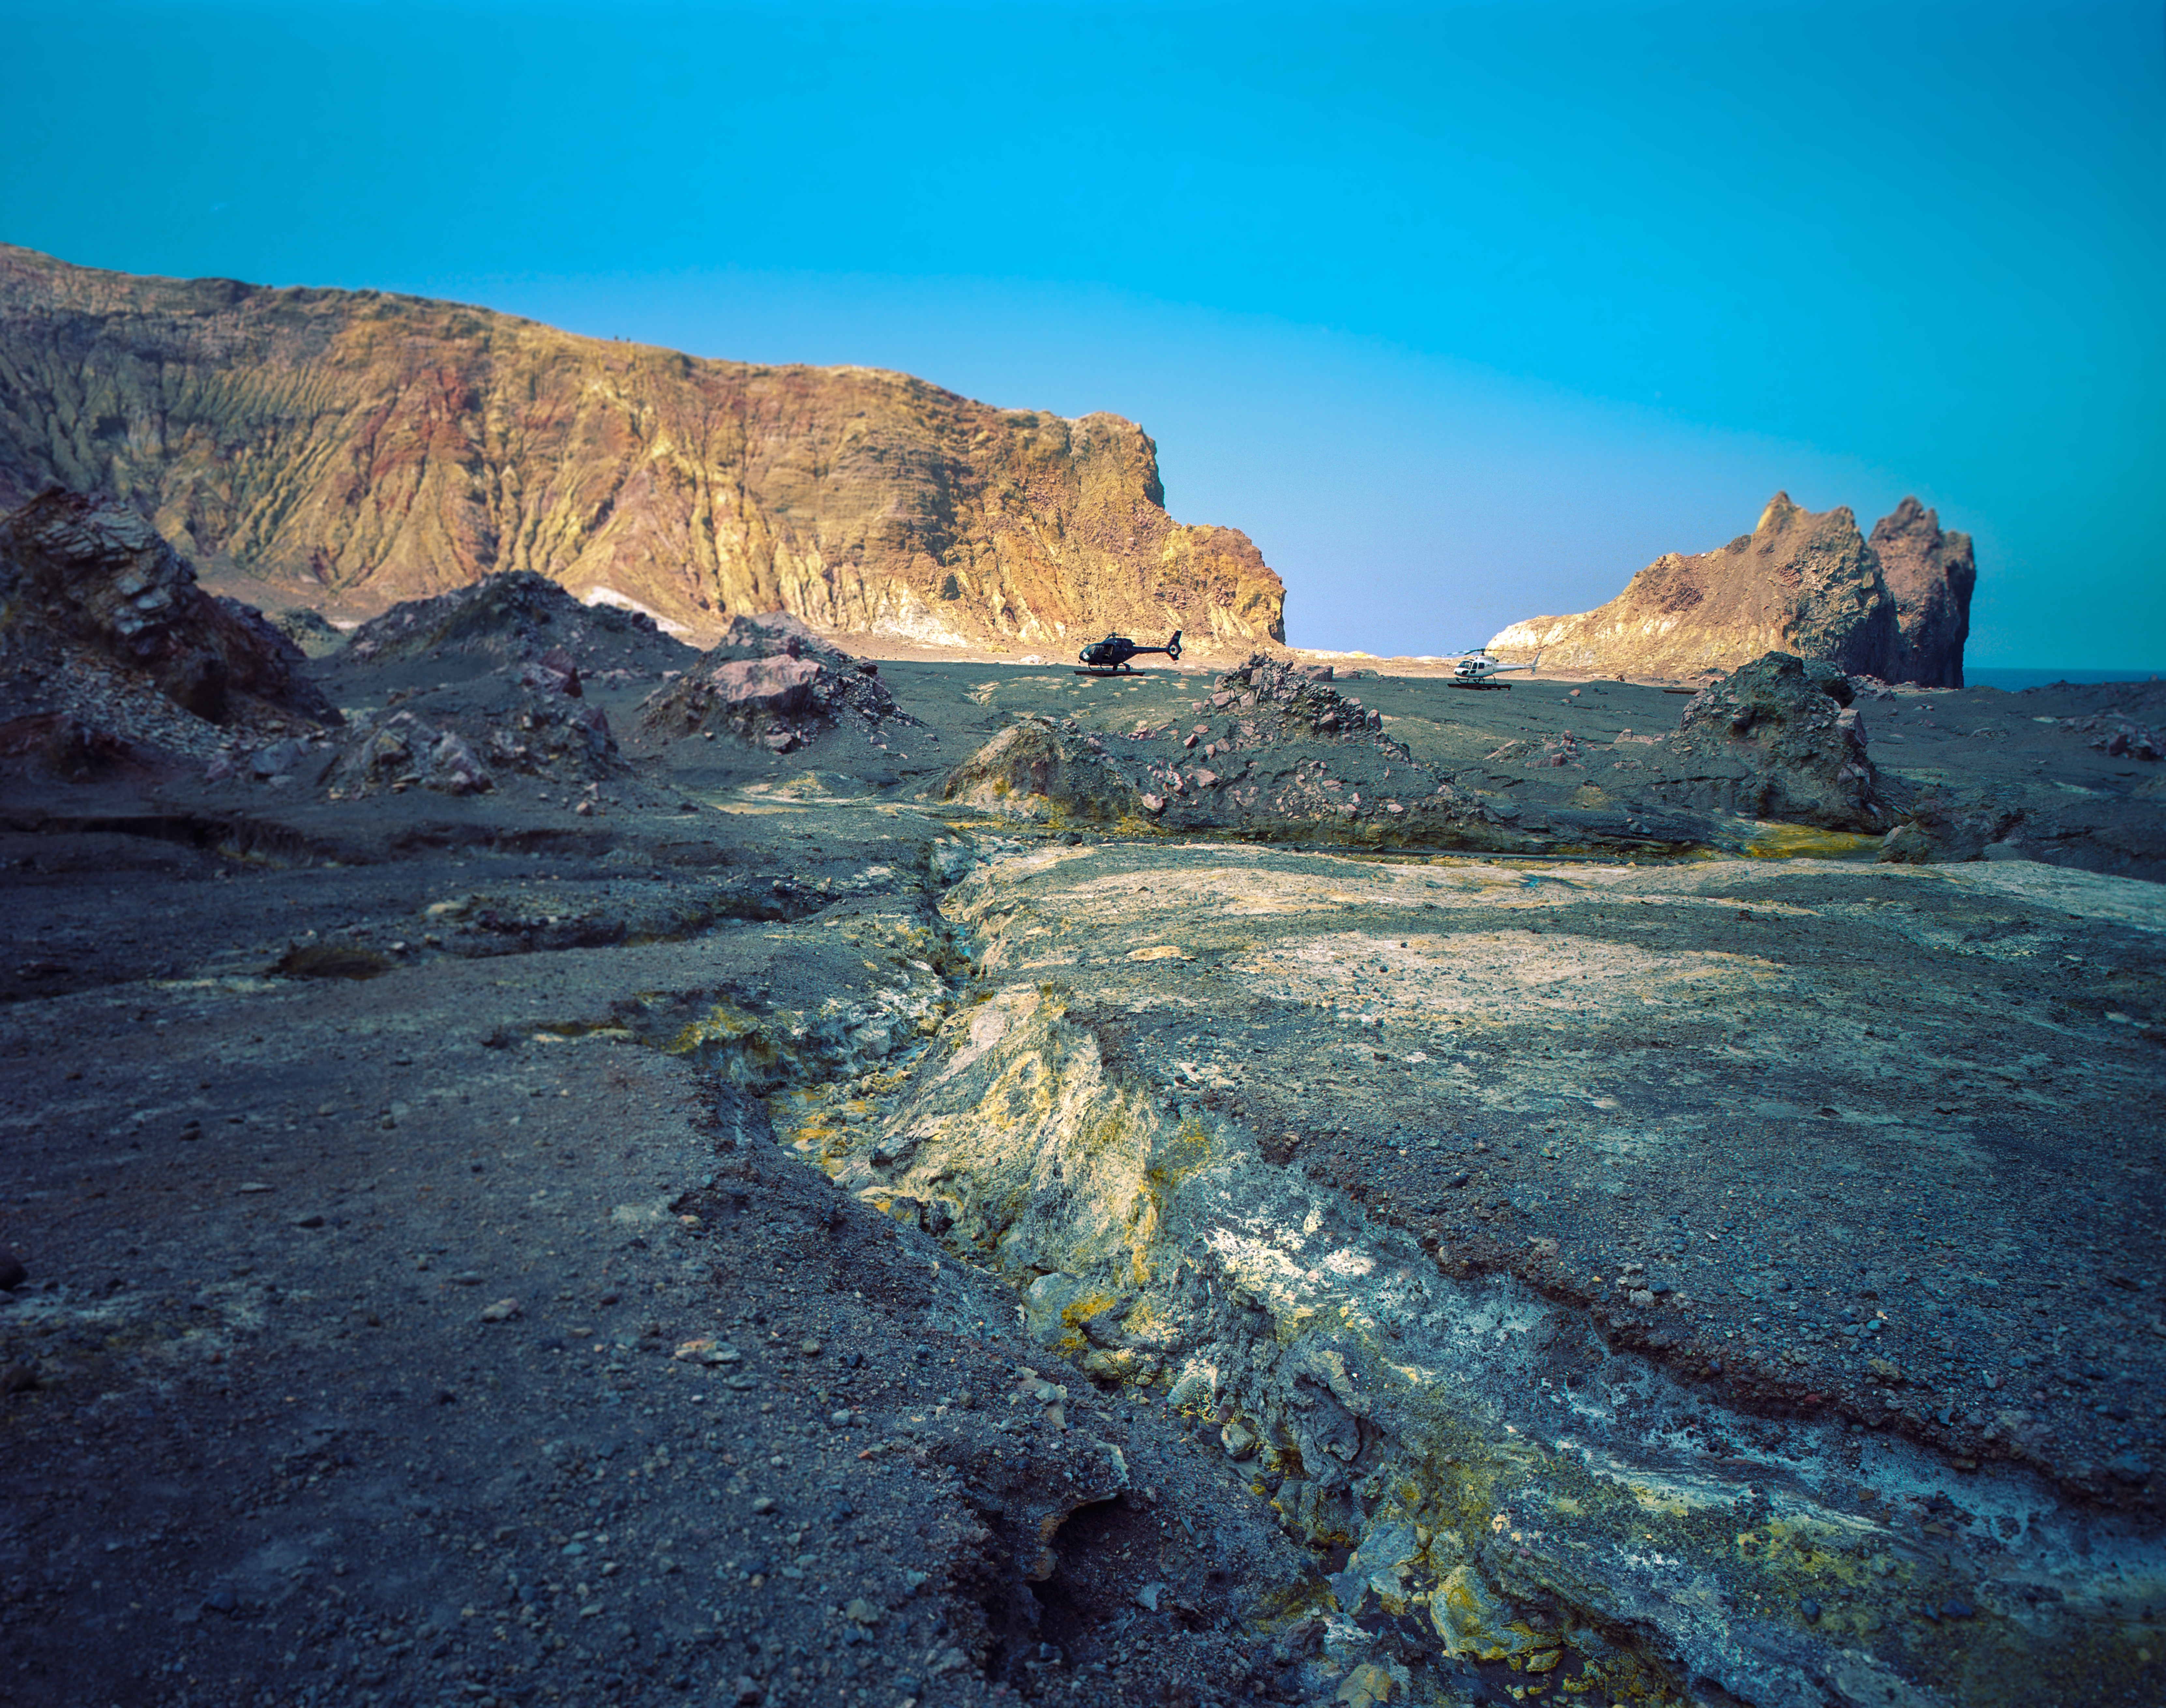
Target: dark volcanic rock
[(518, 617), (62, 746), (1947, 825), (309, 631), (772, 682), (1281, 756), (1035, 769), (452, 742), (1930, 573), (89, 575), (1776, 743)]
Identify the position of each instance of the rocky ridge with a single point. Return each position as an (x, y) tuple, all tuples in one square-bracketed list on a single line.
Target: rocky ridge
[(1896, 606), (87, 584), (398, 447)]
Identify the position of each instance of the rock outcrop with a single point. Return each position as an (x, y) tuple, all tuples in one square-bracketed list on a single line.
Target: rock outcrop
[(1279, 756), (1778, 739), (87, 583), (350, 449), (535, 724), (1930, 573), (1895, 606), (770, 681)]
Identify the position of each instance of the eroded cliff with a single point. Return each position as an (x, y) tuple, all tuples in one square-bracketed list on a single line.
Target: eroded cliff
[(1895, 606), (349, 449)]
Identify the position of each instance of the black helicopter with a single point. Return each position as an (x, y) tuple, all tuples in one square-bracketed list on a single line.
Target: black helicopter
[(1110, 656)]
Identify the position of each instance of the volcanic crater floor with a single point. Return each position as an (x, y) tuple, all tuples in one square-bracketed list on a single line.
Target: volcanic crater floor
[(780, 1239)]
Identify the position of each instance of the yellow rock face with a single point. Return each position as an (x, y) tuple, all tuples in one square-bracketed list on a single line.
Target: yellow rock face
[(1803, 581), (351, 449)]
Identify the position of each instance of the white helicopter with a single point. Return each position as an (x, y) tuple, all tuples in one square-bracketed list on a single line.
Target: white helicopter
[(1477, 669)]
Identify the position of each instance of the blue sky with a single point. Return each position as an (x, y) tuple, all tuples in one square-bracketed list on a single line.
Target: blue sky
[(1464, 312)]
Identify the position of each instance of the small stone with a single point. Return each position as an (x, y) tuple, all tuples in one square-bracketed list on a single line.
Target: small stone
[(809, 1346), (252, 1186), (312, 1220), (1148, 1597), (14, 1273), (467, 1277), (862, 1612), (764, 1506), (222, 1599), (1809, 1611), (839, 1420), (502, 1311)]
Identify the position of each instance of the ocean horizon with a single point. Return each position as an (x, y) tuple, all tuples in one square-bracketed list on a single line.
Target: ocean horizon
[(2012, 679)]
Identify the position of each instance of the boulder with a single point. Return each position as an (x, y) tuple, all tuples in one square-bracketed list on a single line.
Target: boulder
[(309, 631), (89, 575), (1034, 769), (1945, 826), (1773, 739)]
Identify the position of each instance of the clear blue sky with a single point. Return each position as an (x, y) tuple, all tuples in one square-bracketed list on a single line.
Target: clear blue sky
[(1465, 312)]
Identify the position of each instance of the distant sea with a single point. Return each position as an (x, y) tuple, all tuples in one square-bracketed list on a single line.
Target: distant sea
[(2011, 680)]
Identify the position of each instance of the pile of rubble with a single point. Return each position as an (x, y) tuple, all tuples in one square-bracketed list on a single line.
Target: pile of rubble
[(538, 724), (1293, 702), (770, 681), (2119, 737)]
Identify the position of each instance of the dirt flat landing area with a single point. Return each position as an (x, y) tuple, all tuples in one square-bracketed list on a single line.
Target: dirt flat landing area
[(947, 1199)]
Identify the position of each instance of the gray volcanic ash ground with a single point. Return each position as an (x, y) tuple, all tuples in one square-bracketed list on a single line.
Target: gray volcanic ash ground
[(615, 1176)]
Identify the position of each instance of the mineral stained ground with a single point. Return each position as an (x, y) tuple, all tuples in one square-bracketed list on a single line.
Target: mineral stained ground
[(744, 1226)]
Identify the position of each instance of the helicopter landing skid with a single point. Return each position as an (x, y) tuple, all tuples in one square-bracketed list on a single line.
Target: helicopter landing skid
[(1110, 670), (1482, 685)]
